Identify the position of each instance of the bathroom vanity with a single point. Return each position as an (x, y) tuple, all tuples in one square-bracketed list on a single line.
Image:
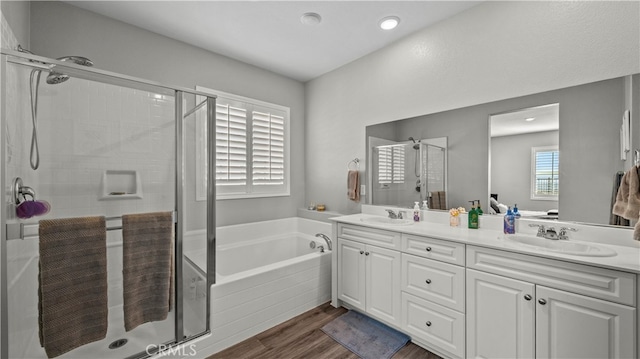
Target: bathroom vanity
[(464, 293)]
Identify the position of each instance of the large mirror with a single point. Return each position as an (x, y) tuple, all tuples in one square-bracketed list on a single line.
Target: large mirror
[(588, 141), (524, 161)]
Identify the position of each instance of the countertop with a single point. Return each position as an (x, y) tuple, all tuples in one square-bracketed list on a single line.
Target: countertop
[(627, 258)]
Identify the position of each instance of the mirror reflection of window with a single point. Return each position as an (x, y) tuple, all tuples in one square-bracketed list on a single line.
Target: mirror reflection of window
[(545, 172), (391, 164)]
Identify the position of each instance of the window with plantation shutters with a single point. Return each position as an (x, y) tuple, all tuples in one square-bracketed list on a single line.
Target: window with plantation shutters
[(545, 174), (251, 148), (391, 164), (268, 148)]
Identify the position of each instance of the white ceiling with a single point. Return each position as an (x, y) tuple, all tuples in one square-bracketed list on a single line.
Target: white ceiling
[(270, 35), (546, 118)]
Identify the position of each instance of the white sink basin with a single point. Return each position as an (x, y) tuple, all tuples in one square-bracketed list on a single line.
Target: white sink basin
[(387, 220), (562, 246)]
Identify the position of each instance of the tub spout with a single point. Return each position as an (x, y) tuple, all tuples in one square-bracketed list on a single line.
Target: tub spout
[(326, 239)]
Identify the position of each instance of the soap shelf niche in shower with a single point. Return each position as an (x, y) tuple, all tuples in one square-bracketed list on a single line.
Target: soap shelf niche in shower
[(121, 184)]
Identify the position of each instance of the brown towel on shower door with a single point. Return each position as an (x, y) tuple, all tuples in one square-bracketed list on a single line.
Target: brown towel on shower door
[(147, 267), (353, 185), (72, 292)]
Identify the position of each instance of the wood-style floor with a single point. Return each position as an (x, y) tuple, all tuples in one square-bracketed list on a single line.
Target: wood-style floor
[(301, 337)]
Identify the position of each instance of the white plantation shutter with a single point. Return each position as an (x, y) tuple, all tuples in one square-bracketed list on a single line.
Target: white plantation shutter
[(391, 164), (231, 145), (268, 148), (252, 151)]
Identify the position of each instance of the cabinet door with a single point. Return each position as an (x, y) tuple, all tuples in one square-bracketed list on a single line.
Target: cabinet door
[(351, 276), (383, 284), (500, 317), (574, 326)]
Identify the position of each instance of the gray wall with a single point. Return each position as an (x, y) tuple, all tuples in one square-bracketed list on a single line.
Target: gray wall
[(493, 51), (511, 169), (590, 117), (59, 29)]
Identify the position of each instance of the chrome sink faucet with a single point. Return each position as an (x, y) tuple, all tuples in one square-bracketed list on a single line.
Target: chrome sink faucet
[(550, 232), (392, 214)]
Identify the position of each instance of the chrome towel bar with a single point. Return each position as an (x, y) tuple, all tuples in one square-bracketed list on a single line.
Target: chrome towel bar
[(20, 230)]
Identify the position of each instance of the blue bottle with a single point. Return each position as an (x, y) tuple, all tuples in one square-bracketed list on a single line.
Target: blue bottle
[(515, 211), (509, 222)]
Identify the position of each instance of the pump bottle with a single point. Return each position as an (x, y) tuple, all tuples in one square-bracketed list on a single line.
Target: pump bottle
[(473, 216)]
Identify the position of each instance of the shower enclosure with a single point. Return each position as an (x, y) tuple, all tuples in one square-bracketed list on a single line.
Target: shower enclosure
[(102, 144), (404, 172)]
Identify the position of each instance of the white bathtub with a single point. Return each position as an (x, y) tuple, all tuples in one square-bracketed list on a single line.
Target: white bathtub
[(266, 273)]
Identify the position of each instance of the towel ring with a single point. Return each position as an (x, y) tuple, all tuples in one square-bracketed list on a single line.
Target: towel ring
[(354, 162)]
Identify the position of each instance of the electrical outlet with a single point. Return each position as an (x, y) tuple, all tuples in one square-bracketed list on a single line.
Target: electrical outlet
[(362, 189)]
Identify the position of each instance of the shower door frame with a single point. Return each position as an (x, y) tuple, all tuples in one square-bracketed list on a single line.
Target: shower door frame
[(93, 74)]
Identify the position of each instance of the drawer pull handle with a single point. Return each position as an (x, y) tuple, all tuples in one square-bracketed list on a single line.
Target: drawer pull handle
[(361, 252), (366, 253), (527, 297), (428, 324), (542, 301), (428, 281), (428, 249)]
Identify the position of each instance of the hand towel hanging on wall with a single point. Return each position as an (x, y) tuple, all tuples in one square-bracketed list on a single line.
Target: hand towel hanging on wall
[(353, 185), (615, 219), (353, 180), (627, 203)]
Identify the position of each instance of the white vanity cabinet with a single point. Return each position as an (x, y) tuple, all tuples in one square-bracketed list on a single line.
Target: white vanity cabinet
[(520, 306), (369, 275), (463, 300), (433, 298)]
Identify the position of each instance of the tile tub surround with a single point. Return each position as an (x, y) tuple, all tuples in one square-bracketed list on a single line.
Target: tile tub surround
[(255, 299)]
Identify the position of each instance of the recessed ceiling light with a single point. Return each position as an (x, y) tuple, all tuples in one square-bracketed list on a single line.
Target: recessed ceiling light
[(311, 18), (389, 22), (529, 119)]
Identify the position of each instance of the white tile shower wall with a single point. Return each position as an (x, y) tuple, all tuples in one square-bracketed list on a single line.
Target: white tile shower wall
[(84, 128)]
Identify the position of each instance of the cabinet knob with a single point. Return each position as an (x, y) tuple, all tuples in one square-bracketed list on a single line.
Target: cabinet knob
[(428, 281), (542, 301), (428, 324), (428, 249), (366, 253), (527, 297), (361, 252)]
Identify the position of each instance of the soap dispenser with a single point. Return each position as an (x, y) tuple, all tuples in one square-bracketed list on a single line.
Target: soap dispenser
[(516, 213), (473, 216), (416, 212), (509, 222), (479, 210)]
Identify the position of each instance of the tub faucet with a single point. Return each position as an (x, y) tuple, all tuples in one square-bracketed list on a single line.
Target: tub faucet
[(326, 239)]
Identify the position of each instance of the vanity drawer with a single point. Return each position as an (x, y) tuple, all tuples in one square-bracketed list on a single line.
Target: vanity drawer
[(433, 325), (378, 237), (438, 282), (592, 281), (446, 251)]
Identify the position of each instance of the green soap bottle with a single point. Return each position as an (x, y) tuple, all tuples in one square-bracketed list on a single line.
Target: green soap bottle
[(480, 211), (473, 216)]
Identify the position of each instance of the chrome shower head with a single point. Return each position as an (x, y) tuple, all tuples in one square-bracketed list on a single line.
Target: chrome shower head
[(416, 144), (78, 60), (55, 77)]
